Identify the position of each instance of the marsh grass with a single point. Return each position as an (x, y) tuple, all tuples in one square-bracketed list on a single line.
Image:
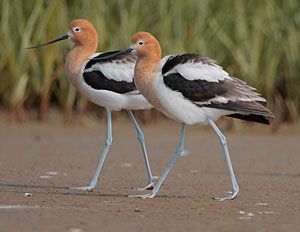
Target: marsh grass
[(257, 41)]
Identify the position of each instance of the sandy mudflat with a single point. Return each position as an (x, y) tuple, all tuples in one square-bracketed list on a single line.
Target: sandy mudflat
[(39, 162)]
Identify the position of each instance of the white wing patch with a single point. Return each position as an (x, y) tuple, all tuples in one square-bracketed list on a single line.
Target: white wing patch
[(114, 70), (198, 71)]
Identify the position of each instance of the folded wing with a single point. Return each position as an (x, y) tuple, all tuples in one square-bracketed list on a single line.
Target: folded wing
[(112, 73), (206, 84)]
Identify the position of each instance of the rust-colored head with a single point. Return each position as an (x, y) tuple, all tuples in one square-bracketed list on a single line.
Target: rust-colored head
[(83, 33), (146, 45)]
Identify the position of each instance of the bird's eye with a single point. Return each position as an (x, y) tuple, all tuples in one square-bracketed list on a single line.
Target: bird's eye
[(76, 29), (141, 43)]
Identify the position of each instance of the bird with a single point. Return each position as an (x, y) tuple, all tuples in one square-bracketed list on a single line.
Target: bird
[(107, 82), (193, 89)]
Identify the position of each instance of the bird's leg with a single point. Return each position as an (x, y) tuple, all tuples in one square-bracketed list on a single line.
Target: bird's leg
[(235, 187), (179, 150), (141, 139), (108, 142)]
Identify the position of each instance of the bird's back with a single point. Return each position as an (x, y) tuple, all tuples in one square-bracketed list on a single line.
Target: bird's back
[(108, 80), (204, 83)]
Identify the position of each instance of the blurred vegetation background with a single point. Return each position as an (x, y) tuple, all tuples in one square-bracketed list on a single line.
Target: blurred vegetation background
[(256, 40)]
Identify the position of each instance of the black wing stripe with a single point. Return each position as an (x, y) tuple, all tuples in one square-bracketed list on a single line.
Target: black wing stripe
[(103, 60), (251, 117), (173, 61), (196, 90), (246, 107), (202, 92), (98, 81)]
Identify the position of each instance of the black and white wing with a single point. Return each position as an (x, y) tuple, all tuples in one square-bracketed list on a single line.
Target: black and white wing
[(107, 71), (206, 84)]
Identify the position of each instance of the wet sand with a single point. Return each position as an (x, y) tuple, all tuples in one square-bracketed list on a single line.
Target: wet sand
[(39, 162)]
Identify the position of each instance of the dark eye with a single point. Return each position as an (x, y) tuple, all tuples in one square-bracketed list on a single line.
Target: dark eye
[(141, 43), (77, 29)]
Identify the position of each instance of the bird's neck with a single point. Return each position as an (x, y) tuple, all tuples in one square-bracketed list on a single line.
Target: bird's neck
[(146, 66), (75, 60), (145, 78), (144, 71)]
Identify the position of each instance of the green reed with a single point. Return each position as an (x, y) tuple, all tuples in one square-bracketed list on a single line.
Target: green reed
[(257, 41)]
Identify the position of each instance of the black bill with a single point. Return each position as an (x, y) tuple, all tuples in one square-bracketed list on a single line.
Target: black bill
[(121, 53), (50, 42)]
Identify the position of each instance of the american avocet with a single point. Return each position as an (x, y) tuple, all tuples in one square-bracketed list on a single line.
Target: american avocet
[(190, 88), (107, 82)]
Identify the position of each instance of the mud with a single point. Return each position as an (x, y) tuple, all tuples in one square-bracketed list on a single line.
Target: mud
[(39, 162)]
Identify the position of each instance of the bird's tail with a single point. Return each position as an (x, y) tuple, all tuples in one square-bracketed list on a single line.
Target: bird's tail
[(252, 111), (246, 110)]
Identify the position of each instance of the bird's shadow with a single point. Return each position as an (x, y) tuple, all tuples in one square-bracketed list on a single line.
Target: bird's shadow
[(58, 190), (63, 190), (21, 188)]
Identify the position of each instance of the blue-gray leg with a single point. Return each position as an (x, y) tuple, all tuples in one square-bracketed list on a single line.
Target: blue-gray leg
[(179, 150), (141, 139), (235, 187), (108, 142)]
